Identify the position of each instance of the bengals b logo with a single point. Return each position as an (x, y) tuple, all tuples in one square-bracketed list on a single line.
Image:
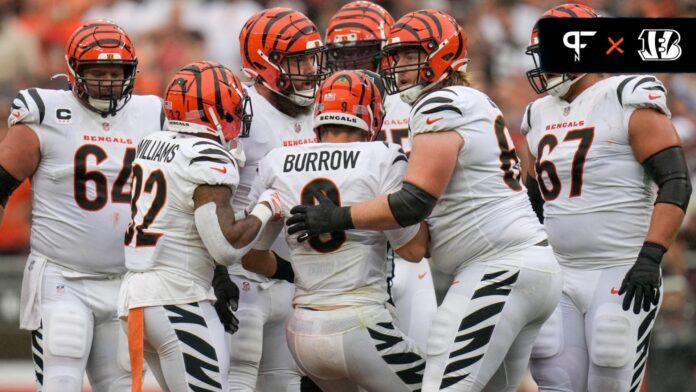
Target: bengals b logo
[(660, 45)]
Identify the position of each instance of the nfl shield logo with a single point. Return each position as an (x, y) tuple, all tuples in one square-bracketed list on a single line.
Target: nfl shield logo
[(566, 110), (60, 289), (106, 126), (246, 286), (297, 128)]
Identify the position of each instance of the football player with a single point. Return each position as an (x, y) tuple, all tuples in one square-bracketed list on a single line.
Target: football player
[(341, 333), (598, 147), (77, 146), (281, 52), (463, 176), (182, 223), (354, 40)]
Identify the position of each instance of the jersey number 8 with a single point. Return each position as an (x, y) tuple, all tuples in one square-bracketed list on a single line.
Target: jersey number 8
[(307, 196)]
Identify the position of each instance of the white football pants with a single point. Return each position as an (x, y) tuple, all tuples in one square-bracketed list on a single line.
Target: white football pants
[(260, 359), (590, 343), (79, 332), (414, 299), (356, 347), (482, 334)]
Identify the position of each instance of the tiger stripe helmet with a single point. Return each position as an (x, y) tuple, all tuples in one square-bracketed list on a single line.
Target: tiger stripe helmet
[(349, 98), (355, 36), (536, 77), (206, 97), (442, 46), (101, 41), (274, 43)]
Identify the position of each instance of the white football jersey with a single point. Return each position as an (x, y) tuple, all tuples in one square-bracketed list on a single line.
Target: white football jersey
[(81, 188), (484, 212), (270, 129), (599, 200), (166, 259), (348, 267), (395, 124)]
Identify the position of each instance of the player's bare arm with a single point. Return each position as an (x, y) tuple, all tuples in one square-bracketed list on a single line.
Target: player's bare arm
[(656, 145), (268, 263), (417, 248), (228, 240), (425, 180), (424, 174), (653, 136), (19, 158), (238, 233)]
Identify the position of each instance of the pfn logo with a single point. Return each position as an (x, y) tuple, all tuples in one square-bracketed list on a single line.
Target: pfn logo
[(660, 45), (576, 45)]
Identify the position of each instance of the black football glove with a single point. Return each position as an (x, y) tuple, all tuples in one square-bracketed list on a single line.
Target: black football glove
[(643, 280), (321, 218), (227, 294)]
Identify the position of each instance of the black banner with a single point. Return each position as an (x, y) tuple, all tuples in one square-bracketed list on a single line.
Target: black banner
[(617, 45)]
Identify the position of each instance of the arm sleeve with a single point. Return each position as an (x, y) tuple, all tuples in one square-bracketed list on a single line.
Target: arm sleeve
[(640, 92)]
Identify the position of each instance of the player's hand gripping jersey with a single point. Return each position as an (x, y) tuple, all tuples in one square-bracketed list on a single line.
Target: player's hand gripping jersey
[(347, 267), (609, 200), (162, 243), (484, 212), (81, 189)]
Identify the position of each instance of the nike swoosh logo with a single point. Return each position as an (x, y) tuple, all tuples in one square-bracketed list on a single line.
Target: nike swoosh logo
[(431, 121), (454, 282), (614, 291), (421, 276), (16, 114), (222, 170), (654, 96)]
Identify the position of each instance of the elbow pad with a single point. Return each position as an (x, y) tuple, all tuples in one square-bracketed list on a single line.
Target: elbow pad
[(534, 194), (411, 204), (214, 240), (8, 184), (669, 171)]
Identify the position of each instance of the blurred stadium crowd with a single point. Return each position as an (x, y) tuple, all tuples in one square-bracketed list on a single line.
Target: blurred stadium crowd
[(171, 33)]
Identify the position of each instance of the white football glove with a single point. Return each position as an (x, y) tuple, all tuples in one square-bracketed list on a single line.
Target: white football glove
[(237, 151)]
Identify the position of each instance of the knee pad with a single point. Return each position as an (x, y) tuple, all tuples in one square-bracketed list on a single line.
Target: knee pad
[(549, 342), (67, 332), (247, 343), (613, 338)]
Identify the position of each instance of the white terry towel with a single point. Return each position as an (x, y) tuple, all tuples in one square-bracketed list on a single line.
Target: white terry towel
[(30, 300)]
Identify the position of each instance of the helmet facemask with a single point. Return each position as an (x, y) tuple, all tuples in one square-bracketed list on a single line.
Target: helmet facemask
[(104, 96), (354, 55), (393, 74), (292, 67), (541, 82)]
